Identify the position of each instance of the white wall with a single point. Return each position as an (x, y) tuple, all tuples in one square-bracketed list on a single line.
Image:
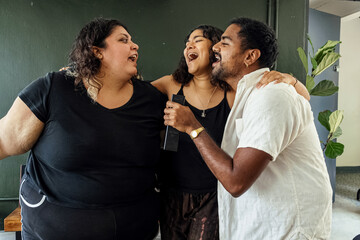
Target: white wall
[(349, 90)]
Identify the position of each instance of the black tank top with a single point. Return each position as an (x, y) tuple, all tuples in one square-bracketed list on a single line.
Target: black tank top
[(185, 170)]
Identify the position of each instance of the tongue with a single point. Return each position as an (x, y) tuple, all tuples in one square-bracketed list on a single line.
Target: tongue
[(193, 56)]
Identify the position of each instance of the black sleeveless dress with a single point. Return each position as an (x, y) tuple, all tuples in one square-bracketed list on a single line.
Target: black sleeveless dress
[(185, 170), (189, 208)]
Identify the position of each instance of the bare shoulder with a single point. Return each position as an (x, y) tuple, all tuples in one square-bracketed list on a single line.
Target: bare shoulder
[(167, 85)]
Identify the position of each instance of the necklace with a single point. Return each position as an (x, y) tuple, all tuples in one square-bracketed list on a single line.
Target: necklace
[(204, 107)]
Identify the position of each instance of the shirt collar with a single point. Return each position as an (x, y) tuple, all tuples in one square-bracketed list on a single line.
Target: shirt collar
[(252, 78)]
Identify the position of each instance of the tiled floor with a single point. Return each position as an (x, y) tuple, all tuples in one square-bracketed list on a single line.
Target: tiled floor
[(346, 222), (346, 209), (7, 235)]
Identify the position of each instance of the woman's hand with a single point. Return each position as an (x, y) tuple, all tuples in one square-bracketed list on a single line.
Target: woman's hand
[(276, 77), (63, 69)]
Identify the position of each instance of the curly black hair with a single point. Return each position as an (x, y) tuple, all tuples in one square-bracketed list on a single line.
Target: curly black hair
[(181, 74), (84, 65), (257, 35)]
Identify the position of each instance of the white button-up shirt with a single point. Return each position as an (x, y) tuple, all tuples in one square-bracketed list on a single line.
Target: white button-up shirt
[(291, 199)]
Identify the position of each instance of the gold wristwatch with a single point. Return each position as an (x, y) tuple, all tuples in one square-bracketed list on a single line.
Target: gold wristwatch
[(195, 133)]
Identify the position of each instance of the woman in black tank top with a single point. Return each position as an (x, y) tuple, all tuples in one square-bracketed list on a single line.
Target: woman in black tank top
[(189, 199)]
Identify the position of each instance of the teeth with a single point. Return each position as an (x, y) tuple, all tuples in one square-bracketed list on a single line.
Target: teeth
[(192, 56), (133, 57), (217, 57)]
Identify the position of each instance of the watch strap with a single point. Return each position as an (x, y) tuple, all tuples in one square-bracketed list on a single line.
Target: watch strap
[(195, 133)]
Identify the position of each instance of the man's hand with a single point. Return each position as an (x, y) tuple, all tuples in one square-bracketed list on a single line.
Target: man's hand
[(235, 174), (180, 117)]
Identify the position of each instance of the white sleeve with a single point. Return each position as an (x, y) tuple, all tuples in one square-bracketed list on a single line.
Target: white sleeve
[(271, 120)]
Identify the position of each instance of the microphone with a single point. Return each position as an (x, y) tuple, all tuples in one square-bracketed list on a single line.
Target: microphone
[(171, 141)]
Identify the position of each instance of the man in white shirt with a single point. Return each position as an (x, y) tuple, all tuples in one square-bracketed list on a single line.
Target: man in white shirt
[(273, 182)]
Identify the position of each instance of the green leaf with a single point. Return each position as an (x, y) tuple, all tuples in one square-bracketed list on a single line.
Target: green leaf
[(312, 46), (335, 119), (310, 83), (303, 58), (329, 46), (319, 57), (327, 61), (336, 134), (334, 149), (323, 118), (314, 63), (324, 88)]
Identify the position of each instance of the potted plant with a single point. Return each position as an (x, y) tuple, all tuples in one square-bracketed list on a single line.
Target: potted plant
[(324, 57)]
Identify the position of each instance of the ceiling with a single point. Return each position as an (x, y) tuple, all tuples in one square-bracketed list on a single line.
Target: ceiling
[(341, 8)]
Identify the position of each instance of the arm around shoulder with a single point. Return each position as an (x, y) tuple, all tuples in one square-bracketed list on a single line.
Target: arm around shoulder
[(19, 130), (166, 84), (301, 89), (286, 78)]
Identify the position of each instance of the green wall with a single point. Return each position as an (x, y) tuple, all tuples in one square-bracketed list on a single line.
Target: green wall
[(36, 36)]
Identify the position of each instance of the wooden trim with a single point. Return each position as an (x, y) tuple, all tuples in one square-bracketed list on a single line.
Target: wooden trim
[(12, 223)]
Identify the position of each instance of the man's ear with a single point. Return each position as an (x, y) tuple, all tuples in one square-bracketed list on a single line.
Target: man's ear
[(97, 52), (252, 56)]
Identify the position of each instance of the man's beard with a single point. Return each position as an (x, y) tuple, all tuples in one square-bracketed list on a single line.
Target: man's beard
[(220, 74), (218, 78)]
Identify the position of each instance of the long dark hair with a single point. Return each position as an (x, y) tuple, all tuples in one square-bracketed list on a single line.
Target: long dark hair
[(181, 74)]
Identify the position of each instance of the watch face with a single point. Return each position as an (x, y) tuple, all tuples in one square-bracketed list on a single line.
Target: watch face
[(193, 134)]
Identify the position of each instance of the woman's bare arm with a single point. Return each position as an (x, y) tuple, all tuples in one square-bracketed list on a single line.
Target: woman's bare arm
[(19, 130), (286, 78), (162, 83), (167, 85)]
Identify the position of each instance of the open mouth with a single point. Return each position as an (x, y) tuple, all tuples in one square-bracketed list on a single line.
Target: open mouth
[(217, 59), (192, 56), (133, 57)]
